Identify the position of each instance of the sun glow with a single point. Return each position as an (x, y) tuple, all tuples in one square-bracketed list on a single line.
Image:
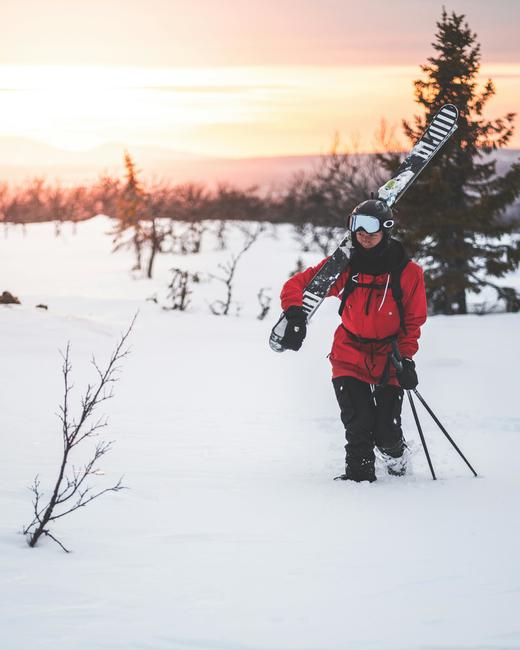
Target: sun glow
[(225, 112)]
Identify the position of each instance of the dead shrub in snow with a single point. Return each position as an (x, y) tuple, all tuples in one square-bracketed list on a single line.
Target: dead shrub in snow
[(222, 307), (265, 303), (72, 489), (179, 287), (300, 266), (220, 233), (191, 238)]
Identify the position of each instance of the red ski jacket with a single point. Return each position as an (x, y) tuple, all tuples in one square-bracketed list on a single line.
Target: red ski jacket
[(369, 313)]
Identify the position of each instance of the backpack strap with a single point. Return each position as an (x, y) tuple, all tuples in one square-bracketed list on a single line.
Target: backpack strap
[(349, 287), (397, 291)]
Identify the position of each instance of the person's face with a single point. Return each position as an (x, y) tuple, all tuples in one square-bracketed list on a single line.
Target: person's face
[(369, 241)]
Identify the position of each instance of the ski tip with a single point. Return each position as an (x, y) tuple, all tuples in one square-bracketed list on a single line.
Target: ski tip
[(275, 346), (277, 334), (450, 110)]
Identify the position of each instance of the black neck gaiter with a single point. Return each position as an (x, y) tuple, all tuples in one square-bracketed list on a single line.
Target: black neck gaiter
[(389, 255)]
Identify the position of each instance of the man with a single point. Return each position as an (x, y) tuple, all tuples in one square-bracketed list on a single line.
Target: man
[(383, 304)]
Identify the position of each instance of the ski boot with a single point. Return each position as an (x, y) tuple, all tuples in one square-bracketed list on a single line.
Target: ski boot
[(358, 471), (396, 458)]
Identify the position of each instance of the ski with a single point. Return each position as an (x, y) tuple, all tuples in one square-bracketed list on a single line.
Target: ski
[(437, 133)]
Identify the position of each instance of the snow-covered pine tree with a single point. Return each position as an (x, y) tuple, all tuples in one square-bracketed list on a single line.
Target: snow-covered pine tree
[(453, 218)]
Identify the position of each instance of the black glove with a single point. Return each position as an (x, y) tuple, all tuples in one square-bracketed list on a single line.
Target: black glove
[(407, 377), (296, 329)]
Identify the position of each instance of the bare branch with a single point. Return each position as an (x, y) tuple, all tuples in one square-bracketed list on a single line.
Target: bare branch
[(179, 287), (265, 302), (47, 534), (71, 484), (222, 307), (83, 500)]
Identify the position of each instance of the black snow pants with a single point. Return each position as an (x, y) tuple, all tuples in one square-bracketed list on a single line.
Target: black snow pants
[(370, 419)]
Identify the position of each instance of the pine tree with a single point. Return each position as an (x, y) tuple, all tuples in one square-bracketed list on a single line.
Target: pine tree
[(129, 212), (453, 218)]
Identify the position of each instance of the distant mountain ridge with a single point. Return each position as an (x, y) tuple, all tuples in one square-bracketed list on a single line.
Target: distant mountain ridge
[(16, 151), (85, 166)]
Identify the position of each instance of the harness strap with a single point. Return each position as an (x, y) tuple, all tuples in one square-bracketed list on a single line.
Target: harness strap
[(385, 376), (347, 290), (370, 285), (363, 339), (397, 292)]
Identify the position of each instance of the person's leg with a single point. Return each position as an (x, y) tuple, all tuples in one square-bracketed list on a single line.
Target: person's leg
[(388, 433), (358, 417)]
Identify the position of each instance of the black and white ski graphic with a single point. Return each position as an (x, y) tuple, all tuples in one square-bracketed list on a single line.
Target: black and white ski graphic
[(440, 129)]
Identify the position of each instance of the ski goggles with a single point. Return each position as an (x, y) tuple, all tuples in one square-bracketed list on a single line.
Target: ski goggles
[(365, 222), (369, 224)]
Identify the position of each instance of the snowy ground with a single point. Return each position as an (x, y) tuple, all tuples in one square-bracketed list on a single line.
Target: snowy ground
[(232, 535)]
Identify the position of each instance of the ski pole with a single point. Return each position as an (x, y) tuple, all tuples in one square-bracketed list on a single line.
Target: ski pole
[(421, 434), (398, 363), (436, 420), (397, 360)]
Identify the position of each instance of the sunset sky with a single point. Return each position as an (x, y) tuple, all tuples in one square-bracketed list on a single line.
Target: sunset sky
[(230, 78)]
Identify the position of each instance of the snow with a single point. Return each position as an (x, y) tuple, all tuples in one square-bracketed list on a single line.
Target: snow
[(232, 535)]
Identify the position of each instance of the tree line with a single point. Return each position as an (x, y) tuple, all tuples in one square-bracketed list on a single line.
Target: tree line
[(451, 221)]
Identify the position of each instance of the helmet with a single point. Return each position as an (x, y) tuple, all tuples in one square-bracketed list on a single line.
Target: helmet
[(372, 216)]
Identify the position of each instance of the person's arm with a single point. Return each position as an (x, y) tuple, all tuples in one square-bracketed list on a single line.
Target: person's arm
[(292, 290), (415, 313), (292, 299), (415, 310)]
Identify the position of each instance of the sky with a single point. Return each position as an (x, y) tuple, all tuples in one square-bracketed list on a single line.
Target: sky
[(228, 78)]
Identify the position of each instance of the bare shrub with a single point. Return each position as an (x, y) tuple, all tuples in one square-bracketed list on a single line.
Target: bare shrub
[(265, 303), (323, 238), (179, 287), (72, 489), (220, 232), (230, 203), (103, 196), (318, 203), (192, 201), (157, 228), (222, 307), (300, 266), (191, 239)]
